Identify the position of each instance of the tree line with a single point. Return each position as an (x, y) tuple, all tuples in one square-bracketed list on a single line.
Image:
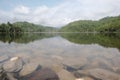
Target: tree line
[(104, 25), (18, 27), (107, 24), (9, 28)]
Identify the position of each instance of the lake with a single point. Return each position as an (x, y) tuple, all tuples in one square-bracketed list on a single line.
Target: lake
[(86, 56)]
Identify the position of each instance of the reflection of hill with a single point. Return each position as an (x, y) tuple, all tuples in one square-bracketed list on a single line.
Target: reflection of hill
[(24, 37), (107, 40)]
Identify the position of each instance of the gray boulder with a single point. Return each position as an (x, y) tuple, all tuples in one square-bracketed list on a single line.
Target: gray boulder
[(104, 74), (28, 68), (41, 74), (13, 65), (11, 76)]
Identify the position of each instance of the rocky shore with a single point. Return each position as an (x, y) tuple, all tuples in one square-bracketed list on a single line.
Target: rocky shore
[(16, 68)]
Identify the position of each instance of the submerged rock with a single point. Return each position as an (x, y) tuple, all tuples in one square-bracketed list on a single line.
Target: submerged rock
[(13, 65), (104, 74), (75, 64), (79, 79), (88, 78), (7, 76), (65, 75), (85, 78), (97, 74), (81, 73), (3, 76), (14, 58), (11, 76), (28, 68), (42, 74)]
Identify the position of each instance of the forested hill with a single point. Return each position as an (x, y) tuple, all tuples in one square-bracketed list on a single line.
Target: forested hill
[(24, 27), (107, 24)]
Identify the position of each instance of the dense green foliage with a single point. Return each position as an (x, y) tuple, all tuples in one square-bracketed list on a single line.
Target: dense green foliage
[(9, 28), (107, 24), (80, 26), (24, 27), (29, 27)]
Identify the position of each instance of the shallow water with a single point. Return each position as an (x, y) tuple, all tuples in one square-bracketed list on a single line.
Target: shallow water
[(71, 52)]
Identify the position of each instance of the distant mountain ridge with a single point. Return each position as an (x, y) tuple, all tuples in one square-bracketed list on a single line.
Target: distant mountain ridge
[(107, 24), (24, 27)]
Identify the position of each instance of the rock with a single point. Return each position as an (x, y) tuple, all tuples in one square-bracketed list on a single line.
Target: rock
[(88, 78), (104, 74), (14, 58), (99, 74), (85, 78), (1, 73), (25, 56), (10, 76), (101, 63), (42, 74), (57, 66), (28, 68), (13, 65), (81, 73), (57, 57), (62, 72), (1, 65), (65, 75), (3, 76), (7, 76), (116, 64), (79, 79), (3, 58), (75, 63), (0, 70)]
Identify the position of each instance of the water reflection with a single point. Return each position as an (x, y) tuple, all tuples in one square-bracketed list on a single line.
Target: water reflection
[(106, 40), (23, 37), (88, 56)]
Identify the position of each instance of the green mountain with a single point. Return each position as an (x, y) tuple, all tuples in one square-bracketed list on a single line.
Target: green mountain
[(29, 27), (107, 24), (24, 27)]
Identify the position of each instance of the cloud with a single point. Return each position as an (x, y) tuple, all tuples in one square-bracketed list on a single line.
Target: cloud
[(40, 10), (22, 10), (66, 12)]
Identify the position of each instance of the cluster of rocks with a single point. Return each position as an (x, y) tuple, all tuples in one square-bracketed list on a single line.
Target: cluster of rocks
[(15, 68), (97, 74), (96, 68), (9, 67)]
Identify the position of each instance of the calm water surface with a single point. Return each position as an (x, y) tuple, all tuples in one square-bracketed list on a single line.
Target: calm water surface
[(70, 52)]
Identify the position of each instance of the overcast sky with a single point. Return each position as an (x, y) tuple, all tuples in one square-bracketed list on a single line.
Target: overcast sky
[(56, 13)]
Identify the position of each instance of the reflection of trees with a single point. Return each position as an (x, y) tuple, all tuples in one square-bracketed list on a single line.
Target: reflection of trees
[(23, 37), (107, 40), (5, 37)]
